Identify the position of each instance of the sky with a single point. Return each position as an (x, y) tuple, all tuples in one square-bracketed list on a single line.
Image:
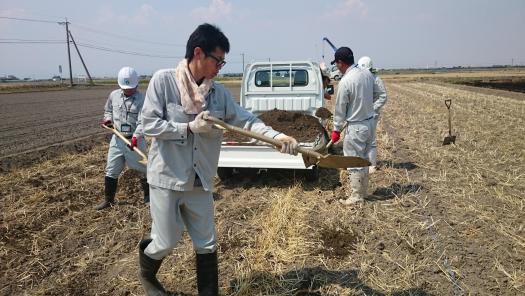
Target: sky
[(394, 33)]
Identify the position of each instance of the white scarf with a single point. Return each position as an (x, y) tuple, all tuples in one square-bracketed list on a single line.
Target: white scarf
[(192, 96)]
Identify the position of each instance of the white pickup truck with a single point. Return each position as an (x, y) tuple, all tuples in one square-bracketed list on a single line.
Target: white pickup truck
[(290, 86)]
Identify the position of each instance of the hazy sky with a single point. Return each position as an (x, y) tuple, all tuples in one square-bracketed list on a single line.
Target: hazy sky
[(396, 34)]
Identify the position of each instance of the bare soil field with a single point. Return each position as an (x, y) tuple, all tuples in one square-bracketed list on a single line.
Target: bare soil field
[(48, 123), (439, 220)]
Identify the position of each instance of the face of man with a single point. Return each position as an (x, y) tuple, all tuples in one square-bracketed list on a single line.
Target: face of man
[(129, 92), (341, 66), (213, 63)]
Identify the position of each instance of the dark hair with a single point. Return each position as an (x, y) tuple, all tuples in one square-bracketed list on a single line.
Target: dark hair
[(208, 37), (348, 60)]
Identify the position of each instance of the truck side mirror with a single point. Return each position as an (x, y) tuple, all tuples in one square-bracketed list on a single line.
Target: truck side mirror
[(330, 89)]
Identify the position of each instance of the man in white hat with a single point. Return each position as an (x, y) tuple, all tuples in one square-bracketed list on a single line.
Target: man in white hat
[(379, 101), (122, 111)]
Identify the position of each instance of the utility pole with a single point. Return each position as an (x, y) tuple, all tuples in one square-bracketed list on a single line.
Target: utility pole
[(242, 62), (81, 59), (68, 51)]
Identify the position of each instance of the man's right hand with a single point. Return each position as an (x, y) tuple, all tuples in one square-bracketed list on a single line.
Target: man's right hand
[(107, 122), (336, 135), (200, 125)]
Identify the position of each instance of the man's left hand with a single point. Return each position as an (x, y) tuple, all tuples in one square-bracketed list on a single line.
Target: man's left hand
[(133, 143), (289, 144)]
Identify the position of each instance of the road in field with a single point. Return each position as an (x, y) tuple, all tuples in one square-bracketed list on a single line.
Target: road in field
[(38, 119)]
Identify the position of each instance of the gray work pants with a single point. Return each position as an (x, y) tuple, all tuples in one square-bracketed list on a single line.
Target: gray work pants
[(372, 153), (119, 155), (172, 211)]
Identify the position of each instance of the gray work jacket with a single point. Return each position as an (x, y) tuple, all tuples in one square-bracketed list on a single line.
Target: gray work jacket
[(176, 155), (354, 99), (125, 110)]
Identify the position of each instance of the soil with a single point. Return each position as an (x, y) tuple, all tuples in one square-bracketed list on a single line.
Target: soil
[(304, 128), (510, 85)]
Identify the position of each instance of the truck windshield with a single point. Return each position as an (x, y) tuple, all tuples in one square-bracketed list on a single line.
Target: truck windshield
[(281, 78)]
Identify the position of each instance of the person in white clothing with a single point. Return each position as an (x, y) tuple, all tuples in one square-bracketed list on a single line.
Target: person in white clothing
[(354, 107), (122, 111), (380, 98), (184, 156)]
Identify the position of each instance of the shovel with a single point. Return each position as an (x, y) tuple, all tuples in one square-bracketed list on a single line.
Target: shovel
[(310, 157), (330, 143), (144, 159), (450, 138)]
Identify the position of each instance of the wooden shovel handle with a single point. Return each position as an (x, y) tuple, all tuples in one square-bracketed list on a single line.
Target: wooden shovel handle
[(448, 103), (259, 137), (121, 136)]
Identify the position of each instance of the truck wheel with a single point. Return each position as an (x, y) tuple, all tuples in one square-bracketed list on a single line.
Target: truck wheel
[(224, 173), (312, 175)]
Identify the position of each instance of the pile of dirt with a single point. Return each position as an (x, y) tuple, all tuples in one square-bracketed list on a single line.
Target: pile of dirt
[(304, 128)]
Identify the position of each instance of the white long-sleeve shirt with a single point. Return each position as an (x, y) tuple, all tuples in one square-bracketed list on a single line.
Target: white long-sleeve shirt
[(175, 155), (354, 99), (380, 96)]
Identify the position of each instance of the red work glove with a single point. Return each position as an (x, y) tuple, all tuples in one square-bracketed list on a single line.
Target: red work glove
[(133, 143), (106, 122), (336, 135)]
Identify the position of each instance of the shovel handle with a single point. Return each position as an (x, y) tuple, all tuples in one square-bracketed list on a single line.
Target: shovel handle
[(259, 137), (330, 143), (121, 136), (448, 103)]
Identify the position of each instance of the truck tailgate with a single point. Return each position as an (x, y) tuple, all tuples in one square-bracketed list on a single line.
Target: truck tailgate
[(258, 157)]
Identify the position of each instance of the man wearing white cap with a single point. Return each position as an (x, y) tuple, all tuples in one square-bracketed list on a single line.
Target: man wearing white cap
[(122, 111)]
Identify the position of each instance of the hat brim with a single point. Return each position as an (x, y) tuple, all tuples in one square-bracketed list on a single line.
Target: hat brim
[(127, 86)]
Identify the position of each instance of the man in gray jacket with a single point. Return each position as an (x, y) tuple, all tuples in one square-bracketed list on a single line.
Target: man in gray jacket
[(184, 156), (354, 106), (122, 111)]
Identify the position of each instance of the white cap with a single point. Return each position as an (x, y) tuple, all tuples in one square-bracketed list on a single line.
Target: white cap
[(128, 78)]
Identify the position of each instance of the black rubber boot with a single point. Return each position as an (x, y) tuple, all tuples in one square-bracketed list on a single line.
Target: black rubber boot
[(110, 190), (148, 272), (207, 274), (145, 188)]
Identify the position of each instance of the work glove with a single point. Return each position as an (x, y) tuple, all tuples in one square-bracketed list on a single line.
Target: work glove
[(336, 135), (200, 125), (289, 144), (133, 143), (106, 122)]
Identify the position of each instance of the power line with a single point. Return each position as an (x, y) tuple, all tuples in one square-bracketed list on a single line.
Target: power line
[(31, 40), (126, 51), (124, 37), (28, 19)]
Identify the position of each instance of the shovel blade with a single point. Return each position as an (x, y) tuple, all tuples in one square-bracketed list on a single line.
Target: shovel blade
[(342, 162), (449, 140)]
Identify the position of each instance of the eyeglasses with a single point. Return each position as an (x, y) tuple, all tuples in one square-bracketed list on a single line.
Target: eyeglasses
[(220, 63)]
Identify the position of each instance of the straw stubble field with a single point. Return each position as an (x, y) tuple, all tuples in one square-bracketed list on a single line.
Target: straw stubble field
[(438, 220)]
